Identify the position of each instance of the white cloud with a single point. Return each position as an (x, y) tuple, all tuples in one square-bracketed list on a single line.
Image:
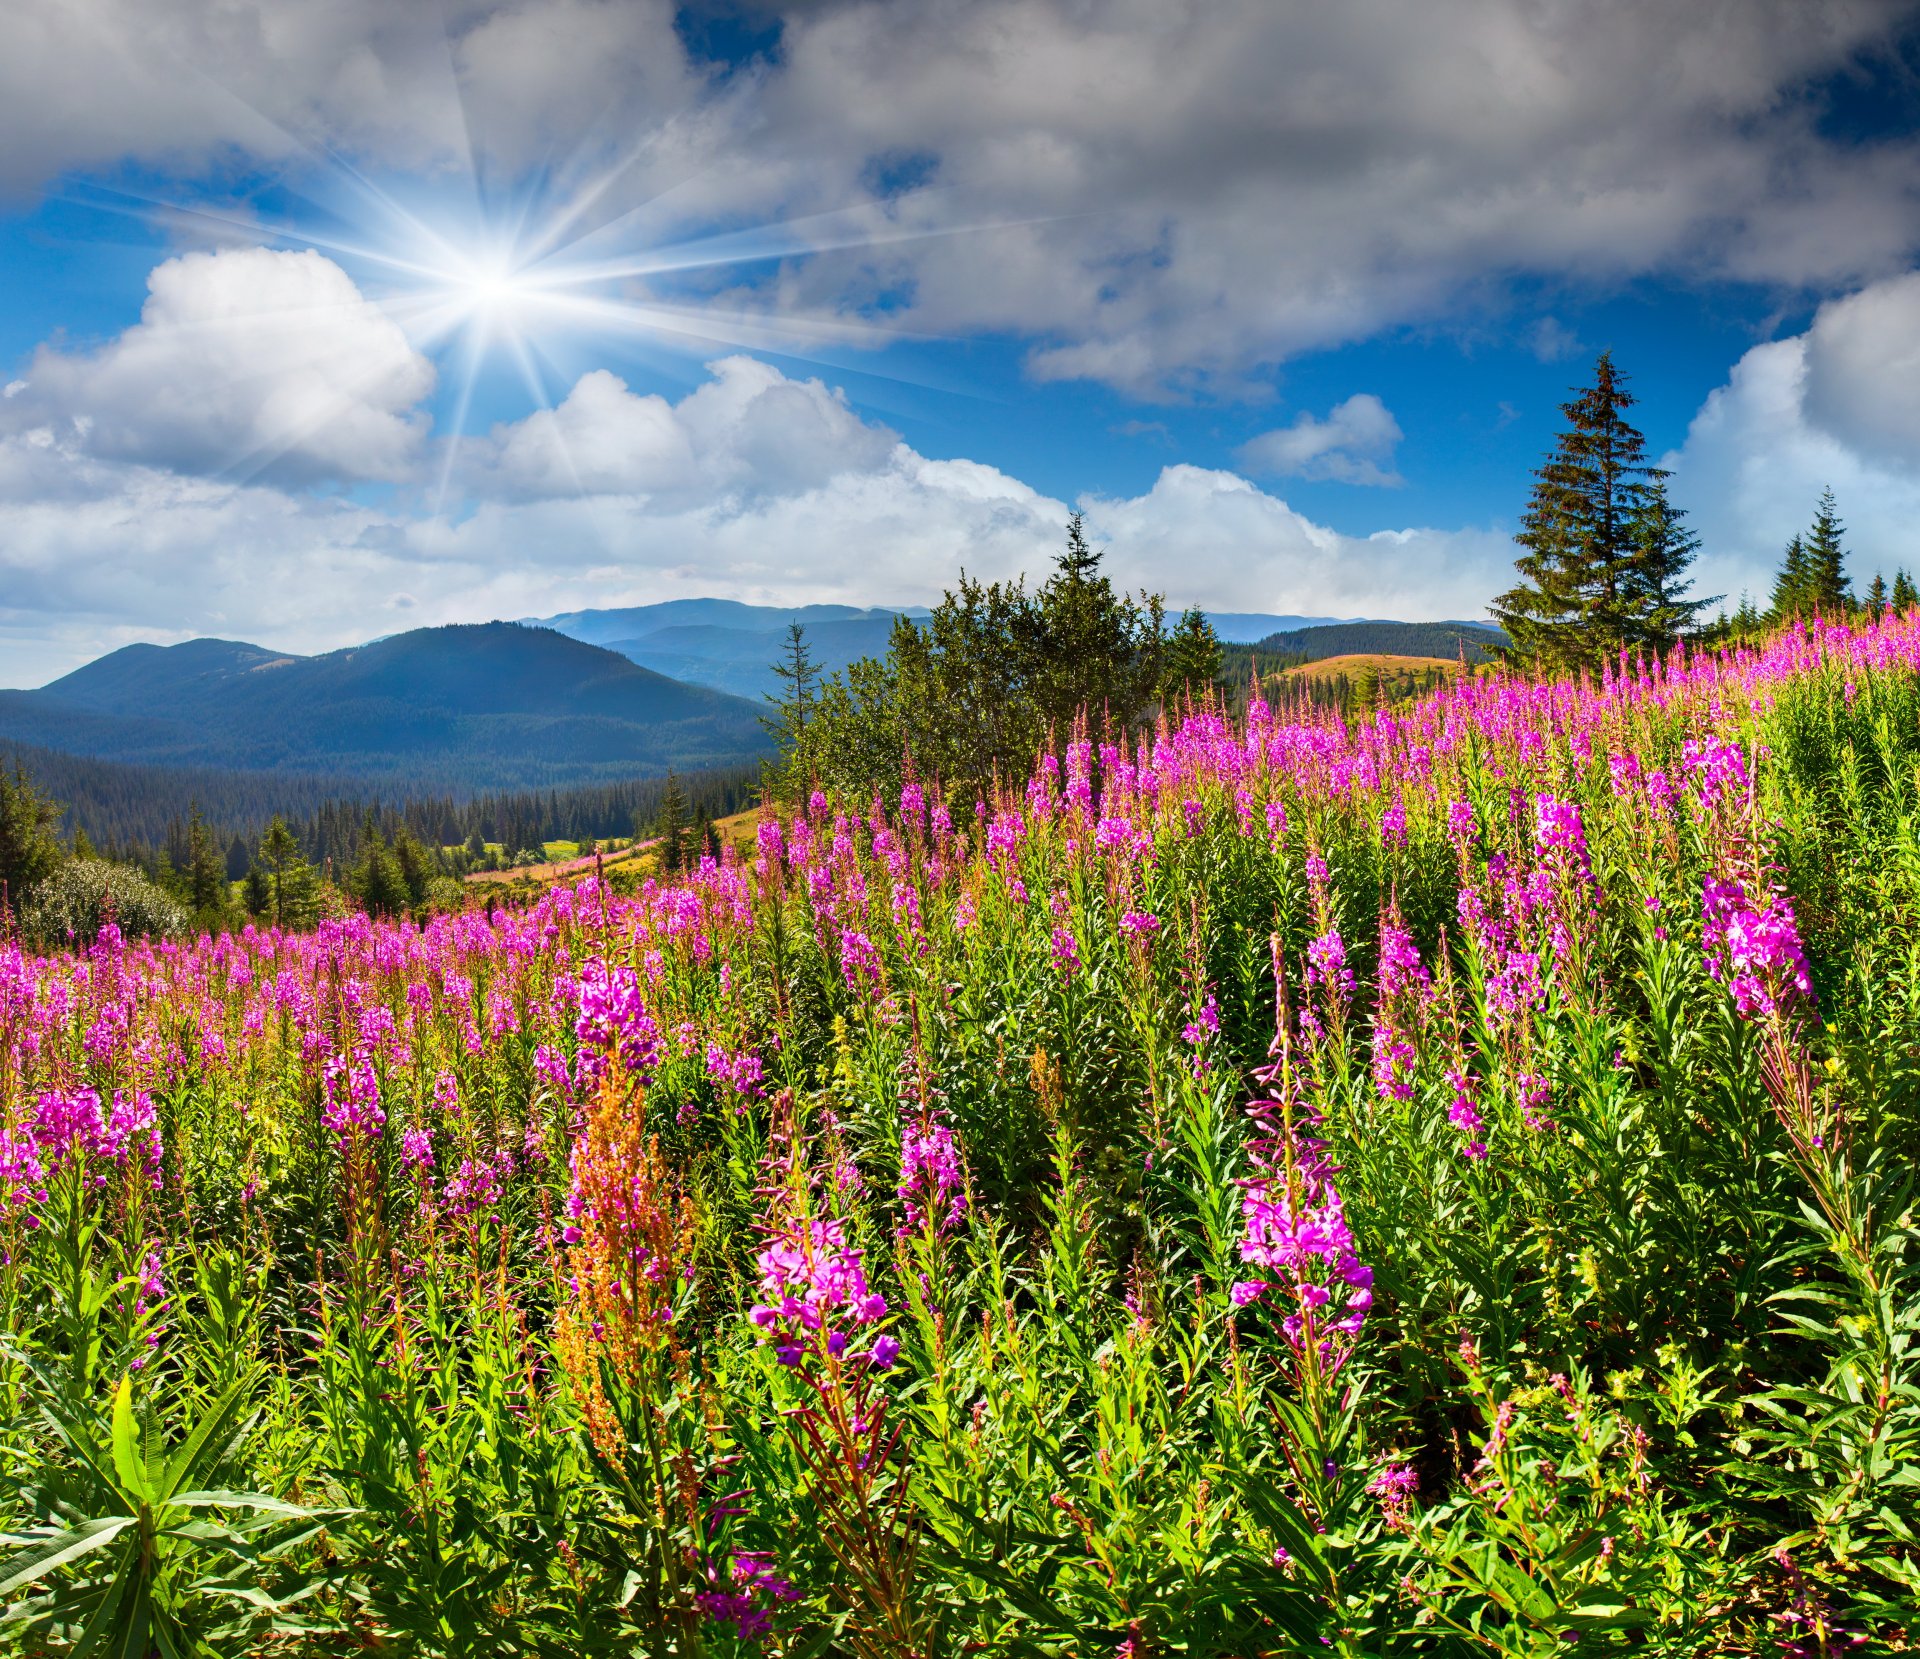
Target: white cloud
[(1863, 370), (748, 430), (101, 551), (1834, 407), (1160, 192), (245, 360), (1353, 445)]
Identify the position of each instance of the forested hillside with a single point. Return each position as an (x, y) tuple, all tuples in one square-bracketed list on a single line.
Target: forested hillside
[(490, 707)]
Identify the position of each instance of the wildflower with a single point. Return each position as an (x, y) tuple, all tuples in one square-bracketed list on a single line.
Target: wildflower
[(932, 1186), (1066, 953)]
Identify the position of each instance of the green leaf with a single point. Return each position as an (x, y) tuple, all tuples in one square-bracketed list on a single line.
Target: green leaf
[(187, 1463), (128, 1462), (44, 1555)]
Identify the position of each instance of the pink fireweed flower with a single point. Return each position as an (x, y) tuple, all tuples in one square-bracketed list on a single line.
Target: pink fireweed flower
[(23, 1177), (1139, 927), (613, 1024), (814, 1292), (1463, 1114), (1297, 1235), (1394, 1484), (78, 1126), (352, 1109), (735, 1598), (1066, 953), (1753, 949), (1327, 965), (416, 1151), (472, 1188), (932, 1189), (859, 961)]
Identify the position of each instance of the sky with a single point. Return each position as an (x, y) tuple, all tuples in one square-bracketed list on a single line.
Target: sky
[(322, 319)]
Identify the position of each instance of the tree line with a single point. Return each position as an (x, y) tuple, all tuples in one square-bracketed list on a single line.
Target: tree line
[(996, 673)]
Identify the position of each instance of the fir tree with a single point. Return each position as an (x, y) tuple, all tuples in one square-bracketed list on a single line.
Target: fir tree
[(206, 868), (1654, 587), (1792, 584), (1571, 606), (798, 677), (1828, 591), (1876, 597), (28, 850), (1903, 598), (1193, 656), (671, 827)]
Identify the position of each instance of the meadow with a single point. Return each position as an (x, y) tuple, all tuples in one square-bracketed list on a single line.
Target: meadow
[(1437, 1184)]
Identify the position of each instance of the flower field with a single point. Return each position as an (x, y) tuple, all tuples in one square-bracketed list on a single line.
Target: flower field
[(1439, 1186)]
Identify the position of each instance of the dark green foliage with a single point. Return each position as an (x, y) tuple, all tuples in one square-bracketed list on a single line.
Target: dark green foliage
[(1792, 587), (1829, 593), (1812, 579), (1903, 598), (1655, 585), (206, 872), (992, 675), (29, 851), (1606, 556), (671, 828)]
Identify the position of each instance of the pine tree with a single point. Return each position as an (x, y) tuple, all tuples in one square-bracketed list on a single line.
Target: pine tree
[(206, 868), (28, 850), (793, 702), (671, 827), (1828, 591), (1876, 597), (279, 853), (1793, 584), (1571, 606), (1655, 586), (1903, 598), (1193, 656)]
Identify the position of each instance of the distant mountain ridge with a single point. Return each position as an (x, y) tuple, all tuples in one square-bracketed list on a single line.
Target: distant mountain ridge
[(731, 646), (1404, 639), (482, 707)]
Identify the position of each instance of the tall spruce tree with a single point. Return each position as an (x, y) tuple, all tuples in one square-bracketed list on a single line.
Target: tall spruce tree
[(1655, 585), (1828, 591), (206, 868), (671, 826), (1792, 583), (1572, 604), (1876, 597), (1902, 599), (29, 851)]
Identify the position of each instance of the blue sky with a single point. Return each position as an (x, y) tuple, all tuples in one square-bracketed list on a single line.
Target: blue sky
[(323, 318)]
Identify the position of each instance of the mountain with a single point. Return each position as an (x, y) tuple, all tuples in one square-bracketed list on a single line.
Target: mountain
[(493, 706), (728, 645), (732, 646), (1249, 628), (1404, 639)]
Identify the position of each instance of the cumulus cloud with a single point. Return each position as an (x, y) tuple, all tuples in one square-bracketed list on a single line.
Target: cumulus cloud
[(100, 551), (245, 360), (1158, 193), (89, 83), (749, 430), (1863, 370), (1353, 445), (1833, 407)]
